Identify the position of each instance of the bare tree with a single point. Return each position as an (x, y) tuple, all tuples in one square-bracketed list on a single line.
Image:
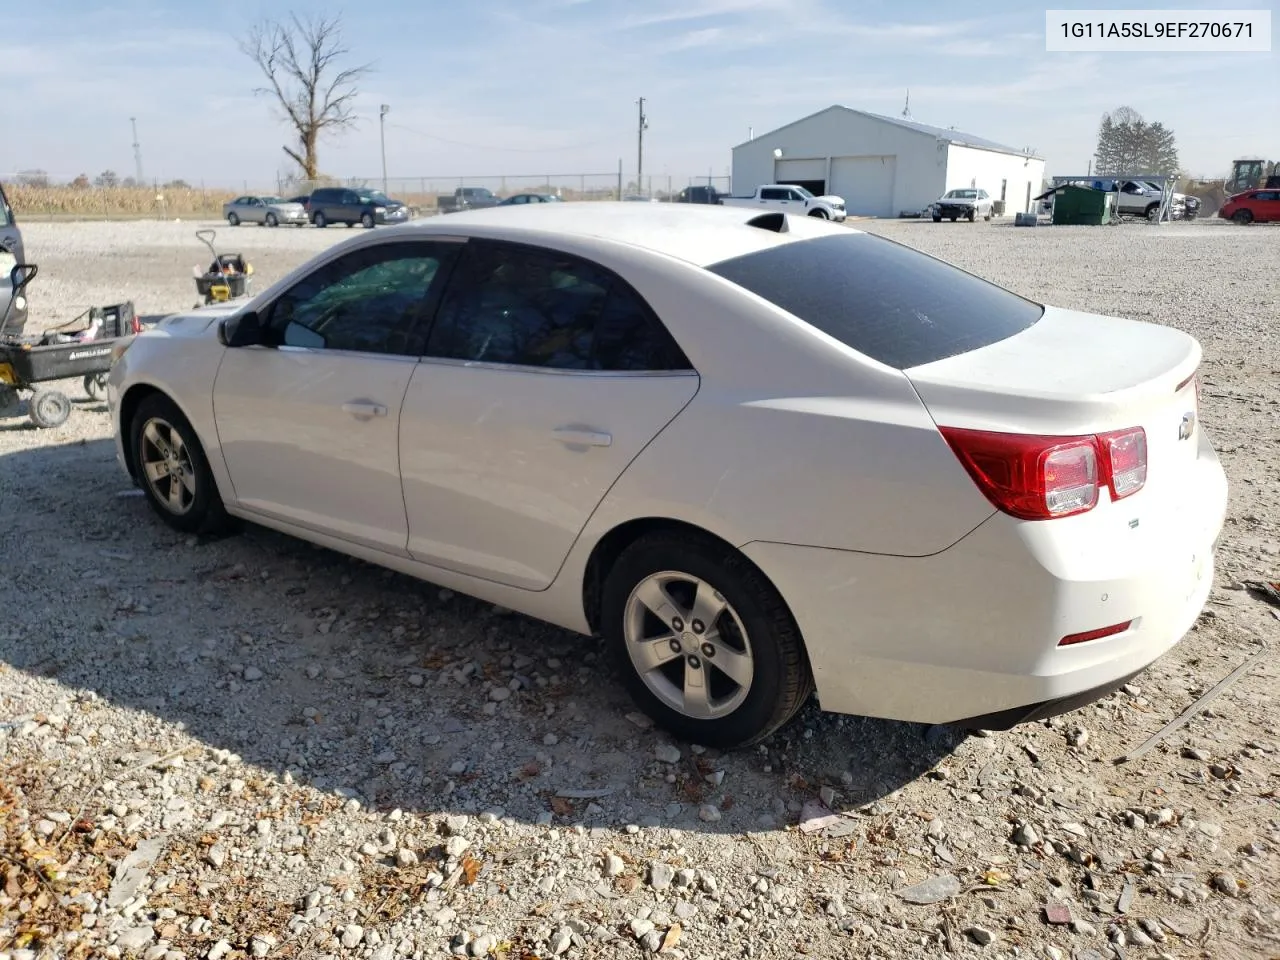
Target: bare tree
[(301, 61)]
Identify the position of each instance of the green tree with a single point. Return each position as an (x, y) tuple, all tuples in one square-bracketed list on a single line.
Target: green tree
[(1129, 144)]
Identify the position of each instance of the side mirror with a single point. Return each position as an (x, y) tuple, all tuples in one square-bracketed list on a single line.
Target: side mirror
[(243, 330)]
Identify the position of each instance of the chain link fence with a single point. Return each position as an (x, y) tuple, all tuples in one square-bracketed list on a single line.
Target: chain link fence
[(49, 198)]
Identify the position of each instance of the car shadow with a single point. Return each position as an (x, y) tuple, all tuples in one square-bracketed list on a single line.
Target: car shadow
[(374, 685)]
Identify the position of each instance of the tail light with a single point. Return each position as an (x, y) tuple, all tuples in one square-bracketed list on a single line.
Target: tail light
[(1035, 477), (135, 324)]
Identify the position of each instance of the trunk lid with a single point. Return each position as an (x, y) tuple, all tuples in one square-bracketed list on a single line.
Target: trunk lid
[(1076, 374)]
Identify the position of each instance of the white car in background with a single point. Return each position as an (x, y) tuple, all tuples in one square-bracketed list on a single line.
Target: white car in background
[(963, 202), (756, 452)]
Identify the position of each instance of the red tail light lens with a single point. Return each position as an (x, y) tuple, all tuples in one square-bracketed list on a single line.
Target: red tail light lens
[(1035, 477), (1125, 456)]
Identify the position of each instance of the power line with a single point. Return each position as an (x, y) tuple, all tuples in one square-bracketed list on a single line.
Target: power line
[(478, 146)]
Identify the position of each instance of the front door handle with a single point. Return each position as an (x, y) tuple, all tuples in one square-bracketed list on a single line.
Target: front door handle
[(586, 438), (364, 409)]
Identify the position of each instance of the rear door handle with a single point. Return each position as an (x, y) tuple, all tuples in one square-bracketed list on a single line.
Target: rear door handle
[(363, 409), (586, 438)]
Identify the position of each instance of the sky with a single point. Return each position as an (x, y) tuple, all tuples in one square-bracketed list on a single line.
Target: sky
[(516, 87)]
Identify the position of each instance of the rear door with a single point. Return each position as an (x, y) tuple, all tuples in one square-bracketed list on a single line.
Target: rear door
[(544, 377), (1266, 206)]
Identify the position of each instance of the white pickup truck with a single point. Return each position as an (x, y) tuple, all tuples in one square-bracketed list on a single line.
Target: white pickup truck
[(790, 199)]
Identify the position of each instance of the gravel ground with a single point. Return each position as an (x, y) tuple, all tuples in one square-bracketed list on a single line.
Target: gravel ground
[(252, 747)]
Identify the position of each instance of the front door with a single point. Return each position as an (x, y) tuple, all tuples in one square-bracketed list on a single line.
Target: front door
[(309, 427), (544, 377)]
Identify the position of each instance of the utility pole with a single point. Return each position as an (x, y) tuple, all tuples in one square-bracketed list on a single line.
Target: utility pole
[(644, 125), (137, 152), (382, 134)]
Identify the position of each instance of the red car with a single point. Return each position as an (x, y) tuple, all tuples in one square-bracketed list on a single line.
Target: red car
[(1252, 205)]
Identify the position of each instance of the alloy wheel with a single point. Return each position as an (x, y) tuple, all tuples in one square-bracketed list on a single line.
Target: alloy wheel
[(167, 466), (688, 645)]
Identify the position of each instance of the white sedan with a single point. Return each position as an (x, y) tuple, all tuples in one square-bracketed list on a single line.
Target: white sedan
[(758, 454)]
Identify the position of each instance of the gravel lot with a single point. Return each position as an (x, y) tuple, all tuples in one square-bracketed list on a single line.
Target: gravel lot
[(251, 747)]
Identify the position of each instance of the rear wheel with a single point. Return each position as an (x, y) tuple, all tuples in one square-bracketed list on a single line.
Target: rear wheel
[(1242, 217), (233, 219), (366, 221), (705, 644), (952, 219), (174, 472), (272, 221), (319, 219), (95, 385), (49, 408), (937, 218)]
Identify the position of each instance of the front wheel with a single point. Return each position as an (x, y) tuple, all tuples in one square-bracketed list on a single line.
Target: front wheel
[(49, 408), (1242, 217), (319, 220), (366, 221), (937, 219), (171, 465), (820, 214), (233, 220), (705, 644), (272, 221)]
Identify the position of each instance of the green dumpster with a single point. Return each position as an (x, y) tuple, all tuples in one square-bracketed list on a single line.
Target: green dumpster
[(1082, 205)]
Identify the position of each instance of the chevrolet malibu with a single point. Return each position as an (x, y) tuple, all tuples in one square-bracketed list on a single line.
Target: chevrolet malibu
[(758, 454)]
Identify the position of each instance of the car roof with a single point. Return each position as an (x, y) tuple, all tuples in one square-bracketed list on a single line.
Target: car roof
[(699, 234)]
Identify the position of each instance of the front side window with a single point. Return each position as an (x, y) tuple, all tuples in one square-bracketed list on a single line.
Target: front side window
[(374, 300), (533, 307), (6, 216)]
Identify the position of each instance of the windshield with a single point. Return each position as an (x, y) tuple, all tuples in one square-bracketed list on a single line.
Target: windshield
[(802, 191), (962, 194), (377, 196)]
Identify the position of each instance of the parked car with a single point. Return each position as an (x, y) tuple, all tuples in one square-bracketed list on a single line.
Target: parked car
[(304, 200), (11, 254), (786, 198), (355, 205), (1252, 206), (522, 199), (699, 193), (468, 198), (964, 202), (1006, 509), (268, 211)]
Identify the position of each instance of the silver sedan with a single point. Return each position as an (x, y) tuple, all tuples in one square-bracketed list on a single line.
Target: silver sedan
[(270, 211)]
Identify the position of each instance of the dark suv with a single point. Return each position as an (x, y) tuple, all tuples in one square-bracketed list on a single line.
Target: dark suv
[(11, 253), (351, 206)]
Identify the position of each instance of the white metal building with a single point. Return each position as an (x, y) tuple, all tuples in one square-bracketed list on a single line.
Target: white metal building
[(884, 166)]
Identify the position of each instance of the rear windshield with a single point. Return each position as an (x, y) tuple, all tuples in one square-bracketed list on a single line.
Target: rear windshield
[(885, 300)]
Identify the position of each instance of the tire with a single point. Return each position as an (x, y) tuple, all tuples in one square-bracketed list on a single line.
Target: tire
[(972, 216), (48, 408), (350, 224), (194, 506), (233, 219), (10, 402), (987, 216), (1242, 217), (952, 219), (271, 220), (366, 221), (1152, 211), (95, 385), (754, 620), (319, 219), (820, 214), (937, 219)]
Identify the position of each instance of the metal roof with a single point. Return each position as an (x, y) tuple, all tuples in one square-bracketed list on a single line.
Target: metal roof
[(949, 136)]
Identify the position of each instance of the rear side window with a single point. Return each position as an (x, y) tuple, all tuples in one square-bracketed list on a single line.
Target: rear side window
[(6, 216), (885, 300)]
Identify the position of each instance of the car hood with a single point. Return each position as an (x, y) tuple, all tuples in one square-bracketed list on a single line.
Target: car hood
[(200, 322), (832, 199), (957, 201)]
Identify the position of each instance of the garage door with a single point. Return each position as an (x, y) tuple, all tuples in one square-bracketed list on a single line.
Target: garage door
[(805, 173), (866, 183)]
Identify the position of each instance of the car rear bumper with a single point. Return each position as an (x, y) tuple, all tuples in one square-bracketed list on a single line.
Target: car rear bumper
[(972, 634)]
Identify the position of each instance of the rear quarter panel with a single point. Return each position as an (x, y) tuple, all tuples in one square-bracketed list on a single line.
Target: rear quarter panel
[(792, 436)]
